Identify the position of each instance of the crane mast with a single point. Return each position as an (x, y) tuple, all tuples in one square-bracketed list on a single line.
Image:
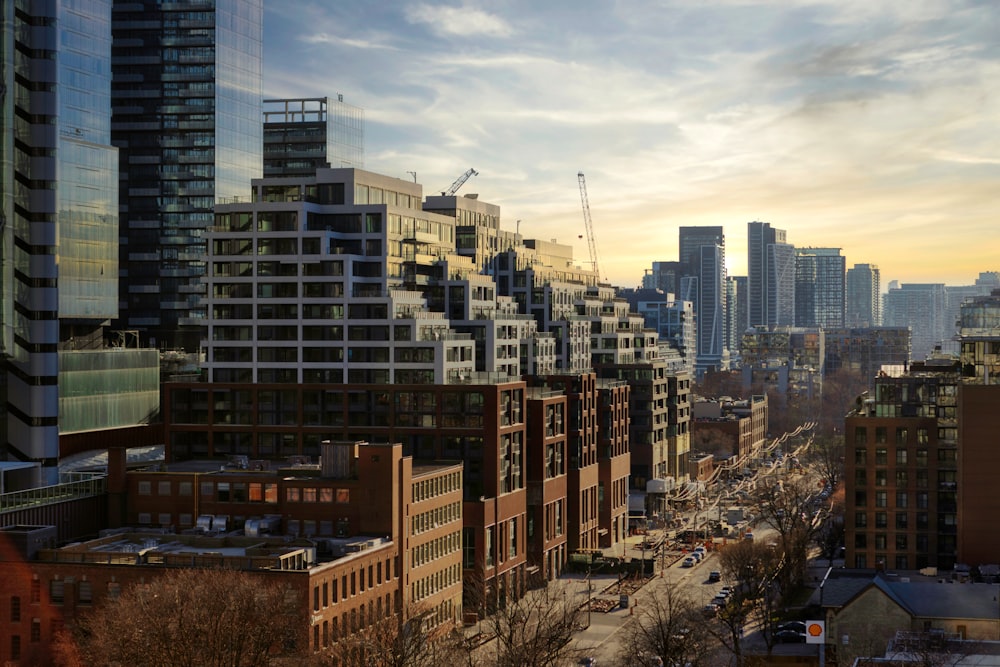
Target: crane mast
[(459, 182), (588, 223)]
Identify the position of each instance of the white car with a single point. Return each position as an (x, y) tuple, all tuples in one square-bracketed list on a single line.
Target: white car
[(689, 562)]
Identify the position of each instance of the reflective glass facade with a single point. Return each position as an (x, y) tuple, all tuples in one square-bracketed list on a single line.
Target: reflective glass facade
[(87, 174), (186, 118)]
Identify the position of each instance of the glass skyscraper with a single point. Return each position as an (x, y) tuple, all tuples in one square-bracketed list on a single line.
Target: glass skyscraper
[(59, 209), (186, 97)]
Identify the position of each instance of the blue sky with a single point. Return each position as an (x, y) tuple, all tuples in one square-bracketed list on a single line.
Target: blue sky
[(870, 125)]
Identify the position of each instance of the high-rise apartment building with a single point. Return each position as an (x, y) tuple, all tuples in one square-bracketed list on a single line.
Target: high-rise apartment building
[(702, 256), (864, 296), (60, 237), (819, 287), (923, 308), (770, 276), (186, 118), (737, 315), (920, 483)]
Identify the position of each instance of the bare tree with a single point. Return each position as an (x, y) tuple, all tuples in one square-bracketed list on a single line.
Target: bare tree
[(394, 642), (537, 630), (668, 626), (826, 455), (786, 503), (191, 618), (752, 567)]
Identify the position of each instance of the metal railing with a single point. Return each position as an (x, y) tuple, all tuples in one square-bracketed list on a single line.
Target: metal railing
[(93, 485)]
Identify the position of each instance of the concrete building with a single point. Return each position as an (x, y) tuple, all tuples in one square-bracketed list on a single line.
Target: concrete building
[(672, 319), (864, 296), (738, 315), (186, 121)]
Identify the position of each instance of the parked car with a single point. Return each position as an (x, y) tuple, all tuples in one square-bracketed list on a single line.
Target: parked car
[(714, 576), (697, 555), (789, 637), (719, 600), (727, 591), (797, 626), (709, 610), (689, 562)]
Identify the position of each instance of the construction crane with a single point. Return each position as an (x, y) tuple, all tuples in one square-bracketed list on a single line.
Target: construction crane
[(588, 223), (459, 182)]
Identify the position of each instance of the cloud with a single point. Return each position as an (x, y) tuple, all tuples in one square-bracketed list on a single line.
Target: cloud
[(458, 21)]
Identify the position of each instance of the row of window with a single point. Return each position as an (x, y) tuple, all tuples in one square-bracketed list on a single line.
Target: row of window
[(902, 456), (902, 499), (436, 486), (436, 548), (435, 518), (329, 593), (947, 479), (354, 620), (946, 521), (436, 582)]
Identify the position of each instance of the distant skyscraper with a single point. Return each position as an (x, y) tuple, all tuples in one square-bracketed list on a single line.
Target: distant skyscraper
[(703, 261), (664, 276), (819, 287), (187, 121), (922, 308), (304, 134), (864, 296), (736, 306), (770, 276)]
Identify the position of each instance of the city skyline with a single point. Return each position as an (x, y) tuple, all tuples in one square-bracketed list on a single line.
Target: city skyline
[(870, 128)]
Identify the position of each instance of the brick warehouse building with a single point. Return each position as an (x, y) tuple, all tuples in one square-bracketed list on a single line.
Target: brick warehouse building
[(379, 534)]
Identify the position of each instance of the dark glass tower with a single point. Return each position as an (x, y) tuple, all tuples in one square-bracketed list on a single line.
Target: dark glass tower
[(187, 120)]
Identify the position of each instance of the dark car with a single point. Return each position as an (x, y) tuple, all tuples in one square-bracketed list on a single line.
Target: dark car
[(797, 626), (789, 637), (714, 576)]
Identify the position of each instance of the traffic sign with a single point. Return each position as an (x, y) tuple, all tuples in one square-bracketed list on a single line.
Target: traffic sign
[(815, 632)]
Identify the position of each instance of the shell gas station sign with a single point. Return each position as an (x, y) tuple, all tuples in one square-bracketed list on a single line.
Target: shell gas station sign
[(815, 632)]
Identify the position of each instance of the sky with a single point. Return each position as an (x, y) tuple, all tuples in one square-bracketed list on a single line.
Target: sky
[(868, 125)]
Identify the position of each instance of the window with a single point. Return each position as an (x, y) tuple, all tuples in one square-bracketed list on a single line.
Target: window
[(15, 609), (901, 521), (901, 457), (901, 436), (881, 478), (860, 520), (881, 520), (860, 498), (861, 541), (36, 630), (881, 435), (881, 498), (901, 543), (145, 488), (901, 478), (860, 456), (881, 456), (902, 500), (56, 591), (860, 435)]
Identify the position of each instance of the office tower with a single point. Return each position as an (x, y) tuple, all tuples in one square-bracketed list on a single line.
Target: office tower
[(664, 276), (921, 307), (864, 296), (702, 257), (186, 118), (303, 134), (770, 276), (819, 287), (60, 237)]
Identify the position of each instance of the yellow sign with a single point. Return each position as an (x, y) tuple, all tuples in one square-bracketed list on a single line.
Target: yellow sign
[(815, 632)]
